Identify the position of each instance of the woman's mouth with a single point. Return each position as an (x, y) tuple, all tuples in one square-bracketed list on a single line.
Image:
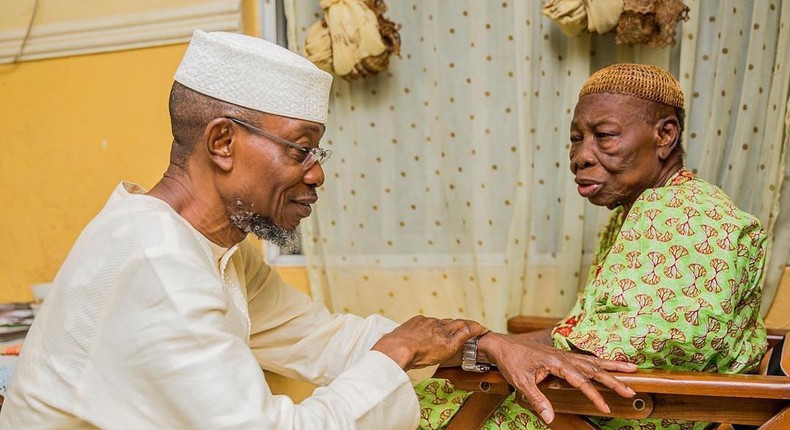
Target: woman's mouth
[(587, 190)]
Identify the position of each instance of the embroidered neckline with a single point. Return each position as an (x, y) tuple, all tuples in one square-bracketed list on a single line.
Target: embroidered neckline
[(680, 177)]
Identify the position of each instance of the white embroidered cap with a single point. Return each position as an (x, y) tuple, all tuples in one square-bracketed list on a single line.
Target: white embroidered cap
[(256, 74)]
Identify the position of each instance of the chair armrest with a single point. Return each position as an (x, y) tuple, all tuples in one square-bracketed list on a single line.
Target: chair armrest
[(738, 399), (527, 324), (707, 384)]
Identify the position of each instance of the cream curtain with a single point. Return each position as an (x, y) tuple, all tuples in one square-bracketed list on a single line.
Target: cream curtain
[(734, 71), (449, 193)]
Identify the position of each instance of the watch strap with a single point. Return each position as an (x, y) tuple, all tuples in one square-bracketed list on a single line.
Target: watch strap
[(469, 357)]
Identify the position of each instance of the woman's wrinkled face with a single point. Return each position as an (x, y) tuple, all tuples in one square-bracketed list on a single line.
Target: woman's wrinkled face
[(273, 189), (614, 149)]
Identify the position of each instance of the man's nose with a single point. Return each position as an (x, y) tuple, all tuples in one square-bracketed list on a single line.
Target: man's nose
[(314, 175)]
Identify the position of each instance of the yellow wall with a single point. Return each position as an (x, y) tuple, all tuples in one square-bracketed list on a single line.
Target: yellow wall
[(70, 130)]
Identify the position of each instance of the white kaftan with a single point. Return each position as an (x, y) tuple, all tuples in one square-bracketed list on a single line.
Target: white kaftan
[(151, 326)]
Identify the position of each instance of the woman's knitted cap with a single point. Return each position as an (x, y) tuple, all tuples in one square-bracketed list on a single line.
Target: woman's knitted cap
[(638, 80)]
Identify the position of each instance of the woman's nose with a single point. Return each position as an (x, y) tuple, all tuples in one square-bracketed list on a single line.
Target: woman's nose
[(581, 155)]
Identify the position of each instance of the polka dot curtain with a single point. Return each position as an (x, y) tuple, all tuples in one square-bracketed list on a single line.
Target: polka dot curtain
[(449, 193), (734, 71)]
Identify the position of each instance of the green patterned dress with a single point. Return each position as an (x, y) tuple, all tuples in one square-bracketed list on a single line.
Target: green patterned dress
[(675, 284)]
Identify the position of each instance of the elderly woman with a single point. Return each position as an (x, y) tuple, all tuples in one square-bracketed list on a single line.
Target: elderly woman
[(675, 282)]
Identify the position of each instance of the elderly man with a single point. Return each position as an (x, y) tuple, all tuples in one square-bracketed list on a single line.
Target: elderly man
[(162, 315), (675, 282)]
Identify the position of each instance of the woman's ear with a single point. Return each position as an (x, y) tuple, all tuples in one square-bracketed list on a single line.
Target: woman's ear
[(220, 143), (668, 131)]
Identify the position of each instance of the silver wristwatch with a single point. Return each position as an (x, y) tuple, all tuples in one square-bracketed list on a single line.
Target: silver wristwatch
[(469, 357)]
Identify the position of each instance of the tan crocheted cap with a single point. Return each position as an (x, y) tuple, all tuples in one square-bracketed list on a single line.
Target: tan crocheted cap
[(637, 80)]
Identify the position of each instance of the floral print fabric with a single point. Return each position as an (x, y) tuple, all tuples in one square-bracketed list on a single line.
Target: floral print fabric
[(675, 284)]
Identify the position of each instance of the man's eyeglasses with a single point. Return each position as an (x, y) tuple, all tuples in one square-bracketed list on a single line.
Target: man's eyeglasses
[(311, 155)]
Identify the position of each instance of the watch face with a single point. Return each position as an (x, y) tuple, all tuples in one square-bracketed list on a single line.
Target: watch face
[(477, 367)]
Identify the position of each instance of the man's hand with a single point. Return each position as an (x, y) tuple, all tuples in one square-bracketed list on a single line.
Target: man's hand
[(526, 364), (423, 341)]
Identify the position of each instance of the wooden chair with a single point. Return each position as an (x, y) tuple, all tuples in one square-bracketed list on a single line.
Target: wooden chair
[(757, 400)]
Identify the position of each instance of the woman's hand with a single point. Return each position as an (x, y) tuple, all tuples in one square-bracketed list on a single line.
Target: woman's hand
[(525, 364)]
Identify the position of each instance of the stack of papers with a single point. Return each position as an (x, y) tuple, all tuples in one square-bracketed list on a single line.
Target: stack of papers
[(15, 320)]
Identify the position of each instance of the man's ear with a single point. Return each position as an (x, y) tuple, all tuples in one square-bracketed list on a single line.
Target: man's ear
[(668, 131), (221, 143)]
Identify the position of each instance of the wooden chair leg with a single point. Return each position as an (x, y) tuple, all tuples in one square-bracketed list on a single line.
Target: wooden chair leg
[(476, 410)]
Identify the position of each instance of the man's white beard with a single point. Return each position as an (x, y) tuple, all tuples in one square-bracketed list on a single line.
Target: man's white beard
[(266, 229)]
